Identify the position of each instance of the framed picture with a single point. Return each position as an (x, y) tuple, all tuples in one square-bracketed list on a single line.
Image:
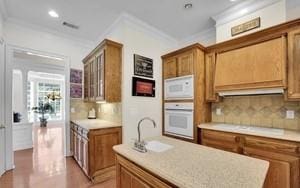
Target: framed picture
[(143, 87), (76, 76), (75, 91), (247, 26), (143, 66)]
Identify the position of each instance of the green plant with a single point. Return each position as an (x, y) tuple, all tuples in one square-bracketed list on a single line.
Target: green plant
[(43, 108)]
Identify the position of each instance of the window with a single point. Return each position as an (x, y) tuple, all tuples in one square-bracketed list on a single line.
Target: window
[(43, 89)]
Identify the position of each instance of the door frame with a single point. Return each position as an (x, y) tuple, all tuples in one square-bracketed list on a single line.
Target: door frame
[(9, 50), (2, 131)]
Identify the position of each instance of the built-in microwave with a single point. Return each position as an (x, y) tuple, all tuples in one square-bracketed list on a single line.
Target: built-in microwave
[(179, 88), (179, 120)]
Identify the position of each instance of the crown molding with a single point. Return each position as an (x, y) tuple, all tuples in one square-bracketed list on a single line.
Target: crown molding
[(206, 37), (126, 18), (19, 23), (238, 10)]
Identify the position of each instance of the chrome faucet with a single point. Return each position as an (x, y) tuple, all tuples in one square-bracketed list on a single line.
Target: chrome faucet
[(139, 144)]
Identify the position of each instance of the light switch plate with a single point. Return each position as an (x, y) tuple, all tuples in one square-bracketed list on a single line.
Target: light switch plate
[(219, 111), (290, 114), (99, 109), (72, 110)]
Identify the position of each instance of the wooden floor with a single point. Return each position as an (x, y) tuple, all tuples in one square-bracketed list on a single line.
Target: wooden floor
[(46, 167)]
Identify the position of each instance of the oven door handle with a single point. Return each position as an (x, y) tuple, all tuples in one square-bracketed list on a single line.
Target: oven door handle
[(178, 110)]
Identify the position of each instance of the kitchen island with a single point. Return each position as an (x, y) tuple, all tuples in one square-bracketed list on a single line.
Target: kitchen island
[(187, 165)]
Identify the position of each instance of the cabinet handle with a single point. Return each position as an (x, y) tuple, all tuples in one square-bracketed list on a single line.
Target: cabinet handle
[(237, 139)]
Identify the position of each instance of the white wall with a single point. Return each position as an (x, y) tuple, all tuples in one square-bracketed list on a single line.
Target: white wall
[(1, 25), (139, 40), (17, 102), (270, 15), (292, 9), (26, 37)]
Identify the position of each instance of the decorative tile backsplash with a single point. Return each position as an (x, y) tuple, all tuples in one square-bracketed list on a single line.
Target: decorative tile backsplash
[(110, 112), (262, 110), (80, 108)]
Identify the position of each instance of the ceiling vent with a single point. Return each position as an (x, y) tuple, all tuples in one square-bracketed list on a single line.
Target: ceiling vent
[(70, 25)]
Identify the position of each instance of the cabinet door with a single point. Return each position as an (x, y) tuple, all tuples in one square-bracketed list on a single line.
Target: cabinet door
[(79, 150), (128, 180), (101, 153), (257, 66), (92, 81), (293, 92), (185, 64), (283, 169), (210, 68), (170, 68), (86, 72), (75, 146), (99, 75), (85, 156), (72, 141)]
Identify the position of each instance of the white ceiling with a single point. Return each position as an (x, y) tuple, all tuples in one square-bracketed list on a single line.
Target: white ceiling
[(95, 16)]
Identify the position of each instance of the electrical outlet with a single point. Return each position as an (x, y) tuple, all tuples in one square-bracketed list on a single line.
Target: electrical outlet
[(73, 110), (219, 111), (290, 114)]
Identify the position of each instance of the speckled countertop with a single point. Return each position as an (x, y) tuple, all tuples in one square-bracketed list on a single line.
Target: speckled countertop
[(188, 165), (267, 132), (90, 124)]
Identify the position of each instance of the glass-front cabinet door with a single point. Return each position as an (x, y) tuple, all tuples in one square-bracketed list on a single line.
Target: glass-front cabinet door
[(92, 80), (99, 67), (86, 81)]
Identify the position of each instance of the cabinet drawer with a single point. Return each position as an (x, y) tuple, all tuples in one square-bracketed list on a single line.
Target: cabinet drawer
[(272, 145), (220, 136), (231, 147)]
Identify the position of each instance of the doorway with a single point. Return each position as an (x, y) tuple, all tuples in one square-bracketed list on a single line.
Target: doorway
[(2, 127), (37, 79)]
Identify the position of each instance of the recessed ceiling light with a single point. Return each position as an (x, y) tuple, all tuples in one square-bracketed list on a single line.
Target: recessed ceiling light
[(188, 6), (244, 11), (53, 14), (233, 0)]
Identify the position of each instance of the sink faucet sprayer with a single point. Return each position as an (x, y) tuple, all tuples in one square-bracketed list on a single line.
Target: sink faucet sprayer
[(139, 144)]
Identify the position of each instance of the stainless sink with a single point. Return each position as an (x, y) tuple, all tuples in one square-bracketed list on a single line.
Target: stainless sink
[(157, 146)]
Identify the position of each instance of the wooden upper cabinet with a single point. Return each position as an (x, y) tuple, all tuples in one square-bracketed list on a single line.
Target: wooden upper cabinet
[(170, 68), (103, 71), (261, 65), (180, 63), (210, 68), (293, 91), (185, 64)]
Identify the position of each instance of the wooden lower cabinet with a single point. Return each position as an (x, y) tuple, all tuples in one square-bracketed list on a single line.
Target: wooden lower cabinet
[(283, 156), (130, 175), (92, 150)]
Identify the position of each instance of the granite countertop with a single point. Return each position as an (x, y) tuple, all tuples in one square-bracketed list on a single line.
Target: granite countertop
[(90, 124), (189, 165), (281, 134)]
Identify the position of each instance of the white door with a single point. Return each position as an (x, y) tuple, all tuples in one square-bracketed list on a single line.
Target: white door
[(2, 127)]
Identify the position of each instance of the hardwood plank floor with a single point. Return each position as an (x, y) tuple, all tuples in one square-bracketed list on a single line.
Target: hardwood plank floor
[(45, 166)]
